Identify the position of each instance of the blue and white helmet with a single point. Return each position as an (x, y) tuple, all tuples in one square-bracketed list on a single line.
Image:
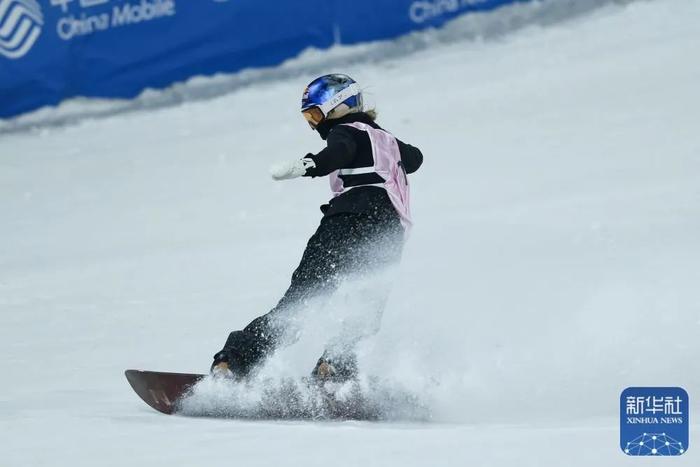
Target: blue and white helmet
[(330, 96)]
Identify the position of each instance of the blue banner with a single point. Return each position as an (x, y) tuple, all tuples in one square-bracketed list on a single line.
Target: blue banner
[(51, 50)]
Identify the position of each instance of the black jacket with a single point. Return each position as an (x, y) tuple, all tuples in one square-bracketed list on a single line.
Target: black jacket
[(348, 147)]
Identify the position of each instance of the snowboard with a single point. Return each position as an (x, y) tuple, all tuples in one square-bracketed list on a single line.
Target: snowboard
[(161, 391), (165, 393), (290, 399)]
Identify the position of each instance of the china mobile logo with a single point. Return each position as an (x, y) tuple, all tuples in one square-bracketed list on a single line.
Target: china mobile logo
[(20, 26)]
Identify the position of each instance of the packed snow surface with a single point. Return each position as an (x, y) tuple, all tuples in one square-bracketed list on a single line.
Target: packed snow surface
[(554, 261)]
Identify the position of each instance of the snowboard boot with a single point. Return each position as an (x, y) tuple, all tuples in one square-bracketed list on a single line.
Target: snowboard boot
[(221, 370), (337, 370), (242, 353), (222, 367), (324, 370)]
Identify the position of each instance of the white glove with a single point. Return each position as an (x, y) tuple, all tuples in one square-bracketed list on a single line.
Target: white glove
[(291, 169)]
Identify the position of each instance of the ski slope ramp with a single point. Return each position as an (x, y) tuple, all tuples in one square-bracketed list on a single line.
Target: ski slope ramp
[(554, 260)]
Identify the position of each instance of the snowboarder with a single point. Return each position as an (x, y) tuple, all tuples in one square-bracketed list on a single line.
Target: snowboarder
[(363, 226)]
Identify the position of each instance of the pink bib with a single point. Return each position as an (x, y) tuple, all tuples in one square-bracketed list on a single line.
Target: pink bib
[(387, 164)]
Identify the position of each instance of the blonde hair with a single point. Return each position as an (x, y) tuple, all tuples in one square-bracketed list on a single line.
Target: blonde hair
[(343, 110)]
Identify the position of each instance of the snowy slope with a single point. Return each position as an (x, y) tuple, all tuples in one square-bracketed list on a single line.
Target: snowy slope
[(553, 262)]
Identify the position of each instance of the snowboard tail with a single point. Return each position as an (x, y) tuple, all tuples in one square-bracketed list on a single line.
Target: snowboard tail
[(162, 391)]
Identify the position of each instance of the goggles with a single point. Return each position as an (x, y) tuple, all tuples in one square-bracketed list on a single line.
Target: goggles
[(316, 114), (313, 116)]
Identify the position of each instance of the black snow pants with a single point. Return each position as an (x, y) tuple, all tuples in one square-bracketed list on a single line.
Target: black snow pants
[(344, 244)]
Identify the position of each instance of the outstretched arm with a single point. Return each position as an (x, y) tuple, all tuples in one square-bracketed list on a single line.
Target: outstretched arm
[(339, 153)]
